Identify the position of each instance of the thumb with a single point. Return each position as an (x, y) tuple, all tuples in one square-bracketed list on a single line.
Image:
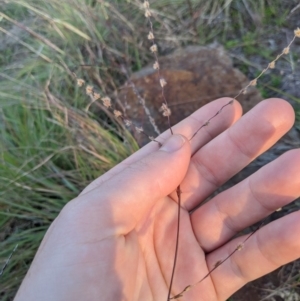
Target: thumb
[(130, 195)]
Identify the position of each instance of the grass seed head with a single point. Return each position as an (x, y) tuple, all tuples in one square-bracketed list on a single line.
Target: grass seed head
[(80, 82), (162, 82), (117, 113), (150, 36), (272, 65), (96, 96), (89, 90), (146, 4), (148, 13), (153, 48), (240, 247), (156, 66), (106, 102), (286, 50), (166, 111), (297, 32)]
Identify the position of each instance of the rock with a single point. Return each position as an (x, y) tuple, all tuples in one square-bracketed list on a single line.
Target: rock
[(195, 76)]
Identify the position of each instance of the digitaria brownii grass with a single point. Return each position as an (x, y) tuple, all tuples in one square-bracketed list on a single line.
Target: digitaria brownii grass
[(253, 82), (156, 66), (106, 101), (238, 248), (167, 112)]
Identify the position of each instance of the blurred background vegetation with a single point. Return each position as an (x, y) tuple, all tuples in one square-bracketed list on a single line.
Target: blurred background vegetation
[(51, 145)]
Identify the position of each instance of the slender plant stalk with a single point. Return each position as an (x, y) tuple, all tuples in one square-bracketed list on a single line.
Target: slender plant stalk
[(209, 120), (8, 260), (243, 91), (167, 112), (156, 65), (238, 248), (191, 11), (178, 191)]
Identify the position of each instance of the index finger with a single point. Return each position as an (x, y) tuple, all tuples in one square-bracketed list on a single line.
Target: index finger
[(187, 128)]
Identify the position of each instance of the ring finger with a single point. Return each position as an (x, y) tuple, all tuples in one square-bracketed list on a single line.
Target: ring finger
[(231, 211)]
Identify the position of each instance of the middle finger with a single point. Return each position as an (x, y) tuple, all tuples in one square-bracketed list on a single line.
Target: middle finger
[(273, 186), (220, 159)]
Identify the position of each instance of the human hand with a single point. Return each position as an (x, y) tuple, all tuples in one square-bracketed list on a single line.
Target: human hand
[(116, 240)]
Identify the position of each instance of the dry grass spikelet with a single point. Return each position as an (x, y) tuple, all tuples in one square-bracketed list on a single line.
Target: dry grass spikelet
[(162, 82), (150, 36), (117, 113), (80, 82), (153, 48), (146, 4), (166, 111), (156, 66), (297, 32), (148, 13), (240, 247), (286, 50), (89, 90), (272, 65), (96, 96), (106, 102)]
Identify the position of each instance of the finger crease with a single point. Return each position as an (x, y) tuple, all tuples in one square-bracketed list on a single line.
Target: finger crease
[(257, 199), (259, 247), (239, 146), (226, 218), (207, 173), (237, 270)]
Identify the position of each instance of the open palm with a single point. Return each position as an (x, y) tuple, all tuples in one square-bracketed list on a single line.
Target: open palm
[(116, 241)]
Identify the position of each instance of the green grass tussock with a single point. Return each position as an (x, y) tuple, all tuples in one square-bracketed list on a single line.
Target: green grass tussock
[(48, 154)]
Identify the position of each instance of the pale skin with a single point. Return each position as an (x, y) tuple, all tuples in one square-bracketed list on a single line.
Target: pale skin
[(116, 240)]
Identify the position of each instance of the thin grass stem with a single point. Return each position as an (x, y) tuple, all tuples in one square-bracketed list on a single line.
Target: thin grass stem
[(219, 263), (8, 260)]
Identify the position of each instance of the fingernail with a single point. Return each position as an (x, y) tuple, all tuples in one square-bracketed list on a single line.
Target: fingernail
[(173, 144)]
